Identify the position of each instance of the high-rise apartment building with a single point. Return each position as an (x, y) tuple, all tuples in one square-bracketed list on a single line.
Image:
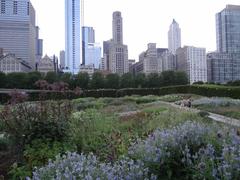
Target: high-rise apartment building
[(192, 60), (174, 37), (73, 40), (18, 30), (224, 65), (114, 49), (91, 51)]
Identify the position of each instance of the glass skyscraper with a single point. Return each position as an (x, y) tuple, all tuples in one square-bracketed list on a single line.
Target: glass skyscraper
[(91, 51), (73, 43), (228, 29), (224, 65)]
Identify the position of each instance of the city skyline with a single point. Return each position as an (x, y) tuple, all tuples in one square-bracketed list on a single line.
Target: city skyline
[(196, 19)]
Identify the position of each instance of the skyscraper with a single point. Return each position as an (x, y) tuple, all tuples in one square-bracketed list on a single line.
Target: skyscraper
[(117, 28), (228, 29), (192, 60), (91, 51), (73, 43), (114, 49), (18, 30), (174, 37), (224, 64)]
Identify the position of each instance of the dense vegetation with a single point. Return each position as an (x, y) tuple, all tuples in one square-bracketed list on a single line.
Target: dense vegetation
[(131, 137), (98, 81)]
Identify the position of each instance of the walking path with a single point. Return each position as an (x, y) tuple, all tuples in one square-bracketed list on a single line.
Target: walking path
[(213, 116)]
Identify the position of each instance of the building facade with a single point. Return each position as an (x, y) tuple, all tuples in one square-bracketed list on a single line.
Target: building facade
[(174, 37), (10, 63), (228, 29), (46, 65), (73, 39), (224, 64), (91, 51), (223, 67), (192, 60), (114, 50), (39, 46), (18, 30), (62, 60)]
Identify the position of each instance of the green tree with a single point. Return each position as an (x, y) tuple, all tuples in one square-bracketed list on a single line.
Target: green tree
[(168, 78), (17, 80), (127, 81), (33, 77), (140, 80), (153, 80), (181, 78), (97, 81), (3, 80), (51, 77), (68, 78), (112, 81), (82, 80)]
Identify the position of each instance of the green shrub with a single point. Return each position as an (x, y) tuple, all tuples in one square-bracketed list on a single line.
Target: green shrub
[(38, 154), (26, 122)]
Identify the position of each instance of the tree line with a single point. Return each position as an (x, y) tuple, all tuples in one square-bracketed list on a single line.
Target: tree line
[(97, 81)]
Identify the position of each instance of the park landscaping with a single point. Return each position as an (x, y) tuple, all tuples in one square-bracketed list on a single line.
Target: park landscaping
[(224, 106), (131, 137)]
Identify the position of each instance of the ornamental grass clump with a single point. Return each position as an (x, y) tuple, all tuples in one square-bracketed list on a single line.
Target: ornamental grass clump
[(75, 166)]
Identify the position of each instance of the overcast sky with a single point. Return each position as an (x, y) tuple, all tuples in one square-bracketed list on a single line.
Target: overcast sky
[(144, 21)]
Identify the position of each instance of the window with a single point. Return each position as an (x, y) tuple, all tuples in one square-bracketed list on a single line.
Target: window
[(28, 8), (3, 6), (15, 7)]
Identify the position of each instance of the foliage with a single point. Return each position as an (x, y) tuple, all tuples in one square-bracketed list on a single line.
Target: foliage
[(23, 121), (87, 129), (153, 80), (127, 81), (216, 101), (68, 78), (3, 80), (190, 151), (16, 80), (38, 154), (140, 80), (181, 78), (33, 77), (97, 81), (51, 77), (82, 80), (75, 166), (112, 81)]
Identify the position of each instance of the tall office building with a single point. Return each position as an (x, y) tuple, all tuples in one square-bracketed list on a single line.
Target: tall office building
[(114, 49), (228, 29), (39, 46), (117, 28), (192, 60), (174, 37), (73, 40), (17, 29), (224, 64), (91, 51), (62, 59)]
